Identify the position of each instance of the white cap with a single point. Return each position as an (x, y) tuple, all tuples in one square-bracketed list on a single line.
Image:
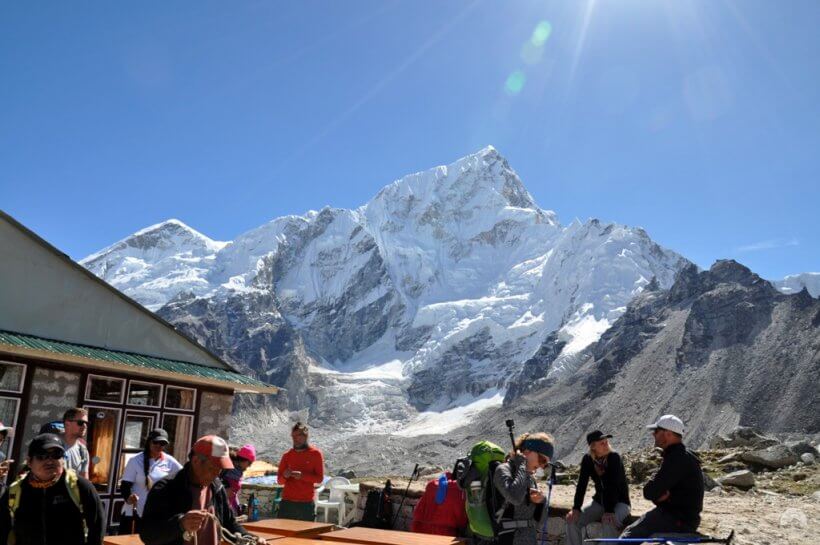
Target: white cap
[(668, 422)]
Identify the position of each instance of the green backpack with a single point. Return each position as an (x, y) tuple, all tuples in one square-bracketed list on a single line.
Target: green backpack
[(476, 484)]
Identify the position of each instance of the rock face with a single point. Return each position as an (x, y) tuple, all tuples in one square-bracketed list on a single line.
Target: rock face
[(743, 479), (774, 457), (720, 348), (426, 299), (743, 436)]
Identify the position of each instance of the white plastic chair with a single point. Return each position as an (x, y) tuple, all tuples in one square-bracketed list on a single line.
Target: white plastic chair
[(336, 498)]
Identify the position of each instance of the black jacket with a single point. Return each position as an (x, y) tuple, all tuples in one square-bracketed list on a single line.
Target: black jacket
[(681, 476), (48, 516), (170, 499), (610, 488)]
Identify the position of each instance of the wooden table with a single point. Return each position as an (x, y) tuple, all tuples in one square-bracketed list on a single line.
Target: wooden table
[(372, 536), (134, 539), (288, 527)]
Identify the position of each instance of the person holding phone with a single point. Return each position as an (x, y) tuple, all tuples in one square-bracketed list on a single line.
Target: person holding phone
[(514, 481), (300, 469)]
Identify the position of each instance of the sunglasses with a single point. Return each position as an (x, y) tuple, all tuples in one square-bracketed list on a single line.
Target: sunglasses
[(56, 455), (80, 422), (160, 442)]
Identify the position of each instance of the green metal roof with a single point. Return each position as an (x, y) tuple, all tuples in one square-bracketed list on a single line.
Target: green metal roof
[(128, 358)]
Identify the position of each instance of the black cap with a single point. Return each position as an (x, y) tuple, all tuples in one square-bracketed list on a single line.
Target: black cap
[(43, 443), (597, 435), (159, 435)]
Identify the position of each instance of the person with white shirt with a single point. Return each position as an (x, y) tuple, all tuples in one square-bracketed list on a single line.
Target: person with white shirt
[(141, 472)]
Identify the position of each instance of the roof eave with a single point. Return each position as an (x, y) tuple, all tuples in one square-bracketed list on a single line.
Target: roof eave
[(135, 370)]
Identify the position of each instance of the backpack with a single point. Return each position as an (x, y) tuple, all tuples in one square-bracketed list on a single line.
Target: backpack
[(71, 480), (378, 509), (483, 503)]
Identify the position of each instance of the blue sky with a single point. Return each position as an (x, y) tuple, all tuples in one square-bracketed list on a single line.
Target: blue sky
[(697, 120)]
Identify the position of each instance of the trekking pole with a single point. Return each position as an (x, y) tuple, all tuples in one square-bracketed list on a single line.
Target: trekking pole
[(406, 490), (547, 507), (510, 427)]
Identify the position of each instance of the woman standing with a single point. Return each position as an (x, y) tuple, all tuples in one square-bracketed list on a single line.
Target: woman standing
[(515, 482), (610, 504), (232, 478), (141, 472)]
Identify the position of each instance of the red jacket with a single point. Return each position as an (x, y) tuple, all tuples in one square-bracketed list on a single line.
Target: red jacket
[(447, 519), (312, 465)]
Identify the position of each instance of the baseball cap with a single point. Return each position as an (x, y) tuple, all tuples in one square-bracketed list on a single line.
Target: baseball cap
[(597, 435), (158, 435), (215, 448), (43, 443), (3, 427), (56, 427), (668, 422)]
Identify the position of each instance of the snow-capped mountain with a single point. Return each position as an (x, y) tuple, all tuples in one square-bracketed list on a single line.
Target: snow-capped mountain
[(425, 300), (794, 283), (157, 262)]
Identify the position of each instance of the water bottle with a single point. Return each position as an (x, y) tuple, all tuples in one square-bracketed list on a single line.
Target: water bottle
[(441, 493), (253, 508)]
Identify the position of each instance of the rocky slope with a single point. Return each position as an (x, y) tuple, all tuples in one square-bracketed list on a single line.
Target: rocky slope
[(719, 348)]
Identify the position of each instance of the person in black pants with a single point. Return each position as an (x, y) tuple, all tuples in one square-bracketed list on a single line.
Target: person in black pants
[(676, 489), (610, 504)]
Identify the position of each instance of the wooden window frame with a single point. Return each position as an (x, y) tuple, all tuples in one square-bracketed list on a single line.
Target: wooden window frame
[(123, 392), (22, 380), (165, 406), (146, 407)]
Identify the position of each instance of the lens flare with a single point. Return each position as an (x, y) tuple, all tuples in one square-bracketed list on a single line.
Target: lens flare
[(541, 33), (515, 82)]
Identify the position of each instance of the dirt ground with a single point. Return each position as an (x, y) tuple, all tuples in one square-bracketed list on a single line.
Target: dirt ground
[(758, 517)]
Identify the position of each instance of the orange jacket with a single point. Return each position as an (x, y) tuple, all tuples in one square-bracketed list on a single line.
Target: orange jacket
[(311, 463)]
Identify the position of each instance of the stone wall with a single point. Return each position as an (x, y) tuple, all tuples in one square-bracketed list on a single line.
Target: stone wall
[(52, 393), (265, 495), (214, 414), (556, 524)]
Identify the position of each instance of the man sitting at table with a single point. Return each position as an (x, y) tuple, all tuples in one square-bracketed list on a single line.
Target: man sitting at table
[(300, 468), (193, 504)]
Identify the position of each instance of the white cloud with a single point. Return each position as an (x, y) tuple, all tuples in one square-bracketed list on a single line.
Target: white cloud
[(768, 245)]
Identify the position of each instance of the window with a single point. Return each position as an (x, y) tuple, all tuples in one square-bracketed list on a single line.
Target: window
[(8, 416), (103, 423), (144, 394), (179, 428), (107, 389), (179, 398), (11, 377)]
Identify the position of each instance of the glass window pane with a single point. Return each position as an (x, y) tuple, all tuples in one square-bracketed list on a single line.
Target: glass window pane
[(105, 389), (136, 430), (147, 395), (8, 413), (11, 377), (180, 398), (179, 427), (102, 433)]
